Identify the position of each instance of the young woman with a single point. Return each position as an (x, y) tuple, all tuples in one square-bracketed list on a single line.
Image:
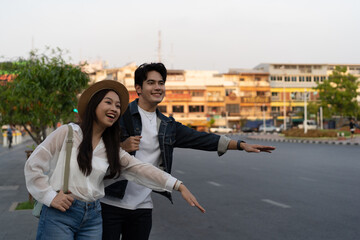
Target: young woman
[(96, 154)]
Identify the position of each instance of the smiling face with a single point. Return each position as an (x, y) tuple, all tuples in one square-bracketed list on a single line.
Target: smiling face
[(152, 92), (108, 110)]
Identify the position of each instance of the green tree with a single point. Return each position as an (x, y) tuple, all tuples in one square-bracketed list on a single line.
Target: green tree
[(338, 94), (43, 92)]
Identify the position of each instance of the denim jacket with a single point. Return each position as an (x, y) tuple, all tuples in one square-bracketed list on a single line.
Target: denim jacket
[(171, 134)]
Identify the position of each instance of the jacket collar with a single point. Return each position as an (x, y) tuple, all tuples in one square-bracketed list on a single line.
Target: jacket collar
[(133, 107)]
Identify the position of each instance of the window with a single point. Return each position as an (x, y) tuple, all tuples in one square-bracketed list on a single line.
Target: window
[(178, 109), (230, 92), (241, 79), (301, 79), (196, 108), (287, 79), (293, 78), (316, 78), (197, 94), (317, 66), (279, 78), (274, 94), (275, 109), (128, 75), (162, 109), (273, 78), (308, 78), (232, 108), (260, 93), (323, 78), (257, 79)]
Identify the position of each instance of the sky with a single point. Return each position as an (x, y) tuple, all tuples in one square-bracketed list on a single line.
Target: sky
[(195, 34)]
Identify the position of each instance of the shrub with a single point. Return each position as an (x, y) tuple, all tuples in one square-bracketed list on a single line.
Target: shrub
[(310, 133)]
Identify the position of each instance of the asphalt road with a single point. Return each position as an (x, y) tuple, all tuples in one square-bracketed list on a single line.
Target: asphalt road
[(300, 191)]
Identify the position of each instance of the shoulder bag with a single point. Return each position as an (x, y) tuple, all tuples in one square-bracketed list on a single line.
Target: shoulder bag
[(69, 142)]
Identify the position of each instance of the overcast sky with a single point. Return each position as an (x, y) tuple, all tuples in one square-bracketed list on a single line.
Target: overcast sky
[(195, 34)]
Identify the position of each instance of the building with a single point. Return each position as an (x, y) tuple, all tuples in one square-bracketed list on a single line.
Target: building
[(248, 97)]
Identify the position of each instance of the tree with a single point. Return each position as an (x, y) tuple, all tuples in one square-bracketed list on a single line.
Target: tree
[(338, 94), (42, 93)]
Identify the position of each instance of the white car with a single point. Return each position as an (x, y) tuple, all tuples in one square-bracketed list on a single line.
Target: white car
[(269, 128), (311, 124), (221, 129)]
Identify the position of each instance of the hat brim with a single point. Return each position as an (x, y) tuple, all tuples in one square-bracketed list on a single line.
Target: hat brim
[(113, 85)]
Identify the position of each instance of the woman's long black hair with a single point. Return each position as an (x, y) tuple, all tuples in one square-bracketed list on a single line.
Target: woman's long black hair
[(111, 138)]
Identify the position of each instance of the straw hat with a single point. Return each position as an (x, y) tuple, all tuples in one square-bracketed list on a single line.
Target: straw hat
[(101, 85)]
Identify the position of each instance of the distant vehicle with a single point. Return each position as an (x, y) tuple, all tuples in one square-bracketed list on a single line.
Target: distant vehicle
[(269, 128), (221, 129), (248, 129), (311, 124)]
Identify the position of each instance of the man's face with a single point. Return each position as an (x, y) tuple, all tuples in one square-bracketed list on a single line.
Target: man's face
[(152, 91)]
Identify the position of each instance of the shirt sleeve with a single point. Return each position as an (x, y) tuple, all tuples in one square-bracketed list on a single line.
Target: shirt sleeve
[(145, 174), (38, 166), (223, 144)]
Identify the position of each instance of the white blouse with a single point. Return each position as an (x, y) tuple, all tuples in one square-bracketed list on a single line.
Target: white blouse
[(44, 170)]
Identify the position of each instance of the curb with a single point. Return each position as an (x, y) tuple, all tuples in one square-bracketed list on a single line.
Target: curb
[(333, 142)]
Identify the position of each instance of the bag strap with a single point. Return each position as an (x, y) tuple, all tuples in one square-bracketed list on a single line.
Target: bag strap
[(128, 122), (69, 143)]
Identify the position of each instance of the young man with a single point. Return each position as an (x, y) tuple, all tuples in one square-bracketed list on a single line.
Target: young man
[(127, 206)]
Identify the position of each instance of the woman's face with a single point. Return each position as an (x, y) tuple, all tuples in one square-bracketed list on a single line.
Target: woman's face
[(108, 110)]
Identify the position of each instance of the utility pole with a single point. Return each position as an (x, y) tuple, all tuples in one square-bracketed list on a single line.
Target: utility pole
[(305, 111), (321, 118), (264, 123)]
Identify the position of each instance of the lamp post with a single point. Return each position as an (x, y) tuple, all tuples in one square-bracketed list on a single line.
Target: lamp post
[(284, 98), (305, 111)]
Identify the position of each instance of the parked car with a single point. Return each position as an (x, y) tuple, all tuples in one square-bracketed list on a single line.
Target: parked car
[(269, 128), (248, 129), (221, 129), (311, 124)]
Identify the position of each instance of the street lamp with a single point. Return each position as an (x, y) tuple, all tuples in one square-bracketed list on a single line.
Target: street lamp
[(305, 111), (284, 103)]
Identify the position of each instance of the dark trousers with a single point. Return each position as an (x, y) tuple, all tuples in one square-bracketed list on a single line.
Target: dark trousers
[(131, 224)]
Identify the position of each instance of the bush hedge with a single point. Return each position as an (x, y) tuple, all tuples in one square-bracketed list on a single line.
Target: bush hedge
[(311, 133)]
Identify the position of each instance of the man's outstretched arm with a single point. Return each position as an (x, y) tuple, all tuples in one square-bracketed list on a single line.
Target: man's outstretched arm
[(256, 148)]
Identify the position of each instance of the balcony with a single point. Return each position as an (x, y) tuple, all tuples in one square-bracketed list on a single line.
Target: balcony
[(255, 100)]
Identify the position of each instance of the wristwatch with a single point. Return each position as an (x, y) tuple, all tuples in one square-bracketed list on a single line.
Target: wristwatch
[(238, 145)]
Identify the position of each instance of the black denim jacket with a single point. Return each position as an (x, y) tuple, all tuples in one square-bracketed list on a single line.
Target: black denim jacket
[(170, 134)]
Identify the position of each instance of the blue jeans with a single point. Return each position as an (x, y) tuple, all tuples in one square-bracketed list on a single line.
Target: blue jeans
[(82, 221)]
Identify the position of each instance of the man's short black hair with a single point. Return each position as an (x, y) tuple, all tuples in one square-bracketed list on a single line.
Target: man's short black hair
[(142, 71)]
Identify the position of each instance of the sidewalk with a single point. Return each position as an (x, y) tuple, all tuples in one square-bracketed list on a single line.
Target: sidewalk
[(14, 224), (280, 138)]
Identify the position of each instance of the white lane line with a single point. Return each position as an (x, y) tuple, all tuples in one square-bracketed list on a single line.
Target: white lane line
[(214, 184), (5, 188), (308, 179), (179, 171), (275, 203)]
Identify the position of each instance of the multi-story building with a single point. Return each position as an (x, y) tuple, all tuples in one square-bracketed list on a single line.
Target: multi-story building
[(290, 83), (249, 95)]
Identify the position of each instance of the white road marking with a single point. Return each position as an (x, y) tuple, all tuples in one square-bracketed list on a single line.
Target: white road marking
[(256, 169), (13, 206), (214, 184), (308, 179), (5, 188), (275, 203), (179, 171)]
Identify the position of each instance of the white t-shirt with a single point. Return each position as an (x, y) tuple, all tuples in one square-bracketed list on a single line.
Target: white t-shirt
[(44, 170), (137, 196)]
